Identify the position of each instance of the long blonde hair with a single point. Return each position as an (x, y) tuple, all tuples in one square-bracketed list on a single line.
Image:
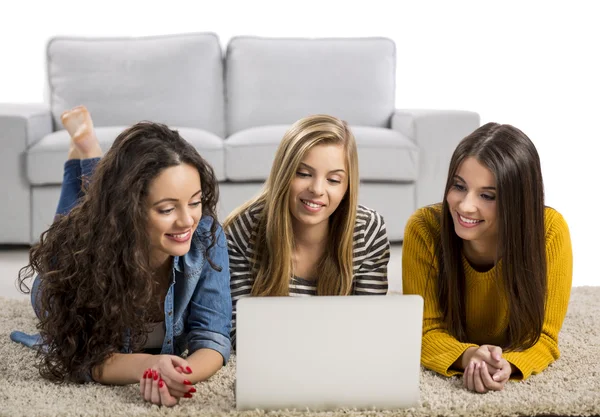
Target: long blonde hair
[(274, 239)]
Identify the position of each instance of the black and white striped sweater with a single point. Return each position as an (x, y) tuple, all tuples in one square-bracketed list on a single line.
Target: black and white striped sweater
[(371, 257)]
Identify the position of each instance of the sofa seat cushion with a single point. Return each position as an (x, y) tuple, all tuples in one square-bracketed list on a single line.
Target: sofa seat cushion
[(384, 154), (46, 158)]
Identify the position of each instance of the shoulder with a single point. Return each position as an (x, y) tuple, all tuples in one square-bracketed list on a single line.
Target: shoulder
[(425, 222), (241, 228), (369, 230), (366, 218), (555, 225), (554, 222)]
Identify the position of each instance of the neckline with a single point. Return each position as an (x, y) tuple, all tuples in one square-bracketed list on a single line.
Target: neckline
[(469, 270)]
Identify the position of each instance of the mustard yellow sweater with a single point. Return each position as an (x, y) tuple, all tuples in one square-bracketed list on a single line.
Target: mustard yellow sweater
[(487, 312)]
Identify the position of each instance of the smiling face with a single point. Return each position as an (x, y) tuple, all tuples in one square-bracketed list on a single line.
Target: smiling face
[(472, 203), (174, 210), (318, 187)]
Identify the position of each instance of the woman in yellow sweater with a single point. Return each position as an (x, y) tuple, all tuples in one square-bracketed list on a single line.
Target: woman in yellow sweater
[(493, 264)]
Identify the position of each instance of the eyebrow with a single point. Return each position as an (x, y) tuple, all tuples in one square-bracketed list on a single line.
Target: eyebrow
[(483, 188), (330, 172), (164, 200)]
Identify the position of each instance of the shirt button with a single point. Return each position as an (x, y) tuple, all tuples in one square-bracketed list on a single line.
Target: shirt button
[(168, 342), (170, 313)]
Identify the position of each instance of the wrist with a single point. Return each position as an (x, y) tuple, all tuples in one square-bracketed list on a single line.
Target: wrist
[(466, 357)]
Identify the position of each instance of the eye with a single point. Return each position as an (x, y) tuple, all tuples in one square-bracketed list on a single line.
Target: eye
[(459, 187), (195, 203), (488, 197), (302, 174), (166, 211), (334, 181)]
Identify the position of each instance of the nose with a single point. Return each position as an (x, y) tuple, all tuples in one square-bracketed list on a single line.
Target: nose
[(468, 203), (186, 219), (316, 186)]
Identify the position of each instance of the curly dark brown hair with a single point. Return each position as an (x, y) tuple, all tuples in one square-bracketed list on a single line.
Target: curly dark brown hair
[(94, 262)]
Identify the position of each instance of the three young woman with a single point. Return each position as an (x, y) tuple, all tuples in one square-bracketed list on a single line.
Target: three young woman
[(493, 264), (148, 271)]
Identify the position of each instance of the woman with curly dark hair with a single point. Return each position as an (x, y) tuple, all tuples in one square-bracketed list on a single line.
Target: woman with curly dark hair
[(134, 270)]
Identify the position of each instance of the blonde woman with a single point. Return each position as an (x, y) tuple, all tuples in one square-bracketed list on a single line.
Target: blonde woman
[(305, 233)]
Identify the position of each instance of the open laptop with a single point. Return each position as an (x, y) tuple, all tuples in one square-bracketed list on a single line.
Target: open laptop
[(326, 352)]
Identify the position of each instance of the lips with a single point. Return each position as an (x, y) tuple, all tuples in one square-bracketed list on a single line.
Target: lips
[(313, 204), (179, 237), (467, 222)]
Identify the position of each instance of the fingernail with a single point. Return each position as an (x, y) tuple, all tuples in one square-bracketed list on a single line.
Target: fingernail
[(160, 383), (186, 382), (188, 369), (145, 374), (155, 375), (187, 395), (192, 389)]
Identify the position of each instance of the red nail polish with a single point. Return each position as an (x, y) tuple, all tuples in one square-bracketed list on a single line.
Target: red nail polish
[(155, 375), (188, 369), (160, 383), (145, 374), (192, 390), (187, 395), (186, 382)]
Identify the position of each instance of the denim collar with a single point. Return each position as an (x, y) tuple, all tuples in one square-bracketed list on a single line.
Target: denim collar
[(194, 260)]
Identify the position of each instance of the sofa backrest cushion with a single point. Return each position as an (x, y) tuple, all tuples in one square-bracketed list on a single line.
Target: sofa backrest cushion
[(176, 80), (278, 81)]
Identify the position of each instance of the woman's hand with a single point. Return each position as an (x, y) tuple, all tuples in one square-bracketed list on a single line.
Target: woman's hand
[(154, 389), (172, 370), (486, 369)]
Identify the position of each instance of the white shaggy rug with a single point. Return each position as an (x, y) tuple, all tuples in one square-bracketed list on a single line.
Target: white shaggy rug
[(571, 386)]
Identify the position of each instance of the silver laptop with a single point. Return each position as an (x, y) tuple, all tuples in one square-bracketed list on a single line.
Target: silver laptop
[(324, 353)]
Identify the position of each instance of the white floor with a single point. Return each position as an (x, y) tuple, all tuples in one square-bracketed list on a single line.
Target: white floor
[(13, 259)]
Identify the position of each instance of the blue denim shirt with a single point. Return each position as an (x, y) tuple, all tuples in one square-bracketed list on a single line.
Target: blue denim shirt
[(197, 305)]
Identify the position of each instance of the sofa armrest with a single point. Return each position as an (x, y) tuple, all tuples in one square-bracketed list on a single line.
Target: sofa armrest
[(21, 126), (436, 133)]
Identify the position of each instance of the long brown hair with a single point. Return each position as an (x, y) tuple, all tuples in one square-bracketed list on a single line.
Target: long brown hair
[(96, 281), (274, 235), (513, 160)]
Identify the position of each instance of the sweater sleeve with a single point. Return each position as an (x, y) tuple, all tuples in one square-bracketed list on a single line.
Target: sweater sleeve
[(559, 258), (419, 271)]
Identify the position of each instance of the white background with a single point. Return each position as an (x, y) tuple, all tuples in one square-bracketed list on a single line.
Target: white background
[(530, 64)]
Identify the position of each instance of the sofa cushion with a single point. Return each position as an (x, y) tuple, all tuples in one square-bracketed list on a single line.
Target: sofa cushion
[(46, 158), (383, 154), (176, 79), (278, 81)]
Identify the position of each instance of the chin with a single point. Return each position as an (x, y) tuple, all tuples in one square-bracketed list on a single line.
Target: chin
[(177, 251)]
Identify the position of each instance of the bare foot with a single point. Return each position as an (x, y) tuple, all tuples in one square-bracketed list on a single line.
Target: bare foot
[(84, 143)]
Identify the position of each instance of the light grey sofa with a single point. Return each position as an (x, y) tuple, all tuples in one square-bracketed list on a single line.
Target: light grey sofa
[(234, 108)]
